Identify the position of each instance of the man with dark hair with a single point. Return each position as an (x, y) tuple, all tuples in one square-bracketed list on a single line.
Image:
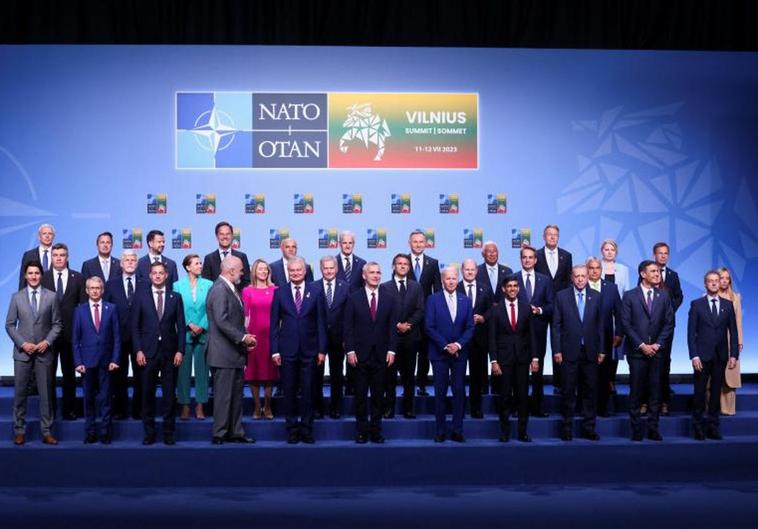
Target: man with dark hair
[(104, 265), (491, 271), (156, 243), (212, 261)]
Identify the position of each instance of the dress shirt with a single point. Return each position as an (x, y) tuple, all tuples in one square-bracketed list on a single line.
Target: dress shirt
[(368, 300), (710, 303), (596, 285), (404, 280), (466, 284), (152, 257), (533, 275), (221, 252), (126, 283), (29, 291), (302, 290), (552, 260), (92, 309), (64, 278), (105, 265), (349, 258), (41, 251)]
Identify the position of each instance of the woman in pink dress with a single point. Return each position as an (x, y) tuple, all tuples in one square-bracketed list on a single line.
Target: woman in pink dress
[(260, 370)]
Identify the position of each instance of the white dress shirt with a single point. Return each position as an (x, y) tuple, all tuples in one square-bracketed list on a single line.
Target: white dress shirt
[(473, 291), (64, 278), (552, 260), (452, 303), (41, 251)]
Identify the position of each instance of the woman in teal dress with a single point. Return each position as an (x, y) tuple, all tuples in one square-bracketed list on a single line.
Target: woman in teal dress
[(194, 290)]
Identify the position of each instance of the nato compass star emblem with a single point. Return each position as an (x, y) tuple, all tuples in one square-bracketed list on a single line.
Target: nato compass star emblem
[(214, 130)]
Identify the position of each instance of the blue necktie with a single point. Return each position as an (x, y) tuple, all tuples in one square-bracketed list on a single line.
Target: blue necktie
[(650, 301), (493, 279), (45, 262), (348, 269), (59, 287), (329, 294), (580, 305), (529, 290), (417, 270), (714, 309), (35, 310)]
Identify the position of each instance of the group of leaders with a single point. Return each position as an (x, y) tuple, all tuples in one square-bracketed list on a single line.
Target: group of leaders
[(273, 325)]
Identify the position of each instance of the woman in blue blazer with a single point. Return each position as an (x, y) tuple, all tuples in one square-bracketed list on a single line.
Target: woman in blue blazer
[(194, 290)]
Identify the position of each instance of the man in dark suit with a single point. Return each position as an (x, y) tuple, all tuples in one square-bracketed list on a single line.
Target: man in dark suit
[(335, 293), (349, 265), (556, 263), (298, 343), (511, 342), (96, 344), (577, 336), (68, 286), (120, 291), (425, 271), (536, 290), (156, 243), (647, 318), (410, 301), (370, 340), (41, 254), (610, 309), (227, 352), (711, 322), (449, 324), (279, 270), (212, 261), (491, 272), (158, 336), (481, 298), (671, 284), (104, 265)]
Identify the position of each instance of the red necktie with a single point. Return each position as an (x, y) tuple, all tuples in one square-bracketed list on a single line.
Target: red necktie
[(372, 308), (513, 316), (97, 317)]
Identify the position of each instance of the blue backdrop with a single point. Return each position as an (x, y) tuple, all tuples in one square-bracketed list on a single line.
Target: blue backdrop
[(634, 146)]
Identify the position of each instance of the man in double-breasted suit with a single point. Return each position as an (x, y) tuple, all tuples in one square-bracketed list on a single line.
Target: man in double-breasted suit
[(97, 350), (227, 352), (158, 336), (212, 261), (711, 322)]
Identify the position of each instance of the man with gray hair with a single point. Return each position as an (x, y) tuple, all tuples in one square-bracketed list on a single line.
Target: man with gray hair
[(349, 265), (41, 254)]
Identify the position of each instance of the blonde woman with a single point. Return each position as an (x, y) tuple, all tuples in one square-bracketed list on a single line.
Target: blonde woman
[(732, 378), (613, 271)]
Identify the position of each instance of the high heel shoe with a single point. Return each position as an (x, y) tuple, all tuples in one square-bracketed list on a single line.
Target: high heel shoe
[(267, 413), (199, 412)]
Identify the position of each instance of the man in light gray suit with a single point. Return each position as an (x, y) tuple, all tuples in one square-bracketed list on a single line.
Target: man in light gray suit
[(227, 352), (33, 323)]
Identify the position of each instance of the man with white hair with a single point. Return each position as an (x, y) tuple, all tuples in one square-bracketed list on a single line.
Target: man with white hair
[(41, 254)]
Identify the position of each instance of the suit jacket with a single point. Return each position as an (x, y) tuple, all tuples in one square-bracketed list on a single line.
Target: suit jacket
[(708, 338), (610, 309), (356, 272), (640, 326), (430, 279), (674, 289), (506, 346), (335, 315), (72, 296), (92, 268), (22, 326), (194, 311), (568, 331), (410, 308), (32, 255), (371, 339), (279, 277), (562, 277), (482, 276), (116, 294), (298, 335), (482, 305), (212, 267), (151, 335), (143, 270), (543, 296), (226, 327), (442, 330), (93, 347)]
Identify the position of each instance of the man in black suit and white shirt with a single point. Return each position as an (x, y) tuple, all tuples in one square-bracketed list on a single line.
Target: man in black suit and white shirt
[(104, 265), (349, 265), (41, 254), (212, 261)]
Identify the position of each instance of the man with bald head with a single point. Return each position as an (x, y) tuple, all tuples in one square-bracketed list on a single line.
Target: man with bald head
[(279, 272), (491, 271)]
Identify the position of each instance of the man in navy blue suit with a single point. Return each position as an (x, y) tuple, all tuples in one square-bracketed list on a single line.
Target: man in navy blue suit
[(577, 338), (335, 293), (212, 262), (711, 322), (491, 271), (349, 265), (536, 290), (279, 269), (298, 344), (647, 318), (158, 337), (156, 243), (104, 265), (449, 324), (370, 341), (41, 254), (96, 344)]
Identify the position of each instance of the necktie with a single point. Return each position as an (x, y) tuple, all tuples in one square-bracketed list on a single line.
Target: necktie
[(45, 262), (372, 308), (157, 259), (714, 309), (552, 263), (451, 306), (298, 299), (417, 270), (580, 305), (513, 316), (329, 294), (529, 290), (403, 288), (650, 301), (160, 304), (106, 266), (493, 278), (59, 287), (663, 274), (97, 317), (224, 253), (348, 269), (129, 289), (35, 308), (470, 293)]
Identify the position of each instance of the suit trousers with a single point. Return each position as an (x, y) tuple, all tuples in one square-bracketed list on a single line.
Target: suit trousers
[(606, 373), (194, 353), (713, 370), (65, 355), (297, 373), (514, 380), (557, 371), (336, 355), (579, 375), (96, 382), (119, 381), (159, 368), (477, 374), (405, 364), (450, 371), (666, 371), (422, 367), (41, 367), (229, 387), (538, 382), (645, 379), (369, 375)]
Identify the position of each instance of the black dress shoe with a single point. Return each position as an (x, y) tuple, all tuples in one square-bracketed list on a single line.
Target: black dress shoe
[(349, 392), (567, 436), (217, 440), (307, 438), (119, 416), (591, 435), (243, 440), (699, 435), (90, 439), (169, 440), (654, 435), (457, 437), (334, 414), (524, 438), (715, 435), (318, 415), (106, 439), (504, 438), (477, 414), (541, 414), (377, 438), (439, 438), (637, 436), (69, 416), (409, 415), (293, 439), (389, 414), (361, 438), (148, 440), (422, 392)]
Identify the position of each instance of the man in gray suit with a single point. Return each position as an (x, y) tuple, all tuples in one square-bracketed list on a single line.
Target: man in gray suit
[(33, 323), (227, 352)]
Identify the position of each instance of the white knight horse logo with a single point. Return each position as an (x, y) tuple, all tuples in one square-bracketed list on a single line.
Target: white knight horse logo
[(368, 127)]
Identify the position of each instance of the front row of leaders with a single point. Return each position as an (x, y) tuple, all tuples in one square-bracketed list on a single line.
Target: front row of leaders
[(298, 341)]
